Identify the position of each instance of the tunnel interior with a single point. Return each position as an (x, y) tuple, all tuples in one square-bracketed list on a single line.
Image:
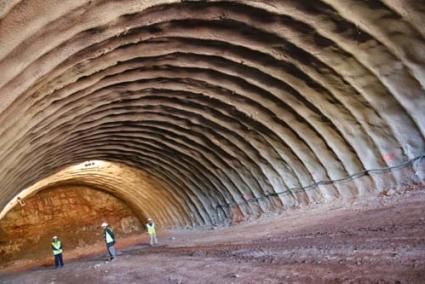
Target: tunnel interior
[(199, 113)]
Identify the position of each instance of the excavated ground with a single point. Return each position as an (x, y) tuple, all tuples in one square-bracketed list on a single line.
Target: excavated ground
[(375, 241)]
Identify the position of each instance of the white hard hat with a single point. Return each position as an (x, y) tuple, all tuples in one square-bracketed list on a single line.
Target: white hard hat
[(104, 225), (55, 237)]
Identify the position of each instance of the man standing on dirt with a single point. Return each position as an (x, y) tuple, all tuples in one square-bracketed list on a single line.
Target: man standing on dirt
[(150, 226), (57, 251), (109, 237)]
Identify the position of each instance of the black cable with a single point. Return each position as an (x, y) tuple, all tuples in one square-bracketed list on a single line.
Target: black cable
[(313, 185)]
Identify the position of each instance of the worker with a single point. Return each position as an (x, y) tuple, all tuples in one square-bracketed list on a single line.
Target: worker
[(109, 237), (150, 226), (57, 251)]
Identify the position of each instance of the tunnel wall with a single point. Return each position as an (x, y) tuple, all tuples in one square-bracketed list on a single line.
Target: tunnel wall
[(410, 177), (218, 101)]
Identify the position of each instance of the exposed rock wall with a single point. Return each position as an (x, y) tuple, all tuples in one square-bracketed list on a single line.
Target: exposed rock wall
[(217, 101), (74, 213)]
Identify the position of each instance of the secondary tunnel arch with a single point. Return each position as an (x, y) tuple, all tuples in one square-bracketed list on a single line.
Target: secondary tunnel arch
[(142, 193), (223, 105), (72, 211)]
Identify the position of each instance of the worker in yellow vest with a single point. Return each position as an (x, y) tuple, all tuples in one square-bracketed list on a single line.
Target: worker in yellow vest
[(109, 237), (150, 226), (57, 251)]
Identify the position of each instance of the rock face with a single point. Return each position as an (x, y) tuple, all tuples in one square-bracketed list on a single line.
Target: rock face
[(74, 213), (228, 109)]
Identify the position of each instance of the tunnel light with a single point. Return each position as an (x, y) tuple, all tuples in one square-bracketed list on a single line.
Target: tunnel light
[(89, 165)]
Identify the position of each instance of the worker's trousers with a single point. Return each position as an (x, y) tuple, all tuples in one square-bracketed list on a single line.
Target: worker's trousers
[(111, 251), (153, 240), (58, 260)]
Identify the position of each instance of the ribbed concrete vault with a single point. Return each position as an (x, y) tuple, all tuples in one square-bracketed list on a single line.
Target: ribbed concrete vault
[(215, 102)]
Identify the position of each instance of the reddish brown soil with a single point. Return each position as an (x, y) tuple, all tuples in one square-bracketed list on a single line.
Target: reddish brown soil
[(380, 241)]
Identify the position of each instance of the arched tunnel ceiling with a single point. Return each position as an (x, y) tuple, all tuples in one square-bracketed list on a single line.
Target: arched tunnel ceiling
[(217, 100)]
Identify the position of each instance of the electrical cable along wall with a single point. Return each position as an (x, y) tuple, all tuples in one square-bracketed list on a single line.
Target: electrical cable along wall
[(410, 177), (219, 102)]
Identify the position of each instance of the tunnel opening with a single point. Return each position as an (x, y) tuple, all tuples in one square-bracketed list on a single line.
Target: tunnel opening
[(145, 194), (72, 212)]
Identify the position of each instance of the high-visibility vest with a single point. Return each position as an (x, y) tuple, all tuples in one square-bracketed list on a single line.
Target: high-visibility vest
[(109, 238), (151, 229), (57, 247)]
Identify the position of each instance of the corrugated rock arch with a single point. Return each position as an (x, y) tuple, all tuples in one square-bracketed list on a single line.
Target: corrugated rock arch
[(219, 101)]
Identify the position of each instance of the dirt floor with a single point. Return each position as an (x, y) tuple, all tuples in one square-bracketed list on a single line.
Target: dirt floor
[(378, 241)]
